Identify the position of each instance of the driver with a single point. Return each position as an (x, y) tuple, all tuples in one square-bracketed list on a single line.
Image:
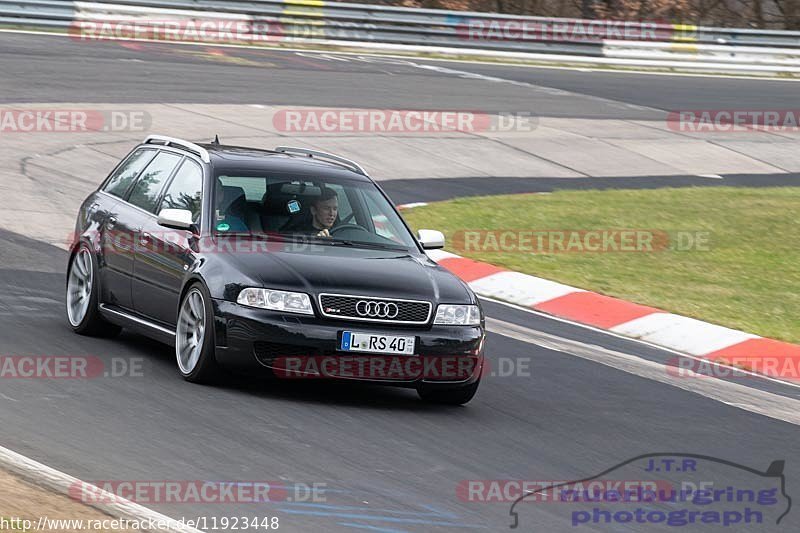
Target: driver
[(324, 212)]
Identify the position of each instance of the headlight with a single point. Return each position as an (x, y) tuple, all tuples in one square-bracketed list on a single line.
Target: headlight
[(458, 315), (289, 302)]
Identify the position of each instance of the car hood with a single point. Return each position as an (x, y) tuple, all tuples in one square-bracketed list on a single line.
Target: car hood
[(349, 270)]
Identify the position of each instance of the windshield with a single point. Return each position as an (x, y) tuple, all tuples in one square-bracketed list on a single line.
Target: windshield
[(346, 212)]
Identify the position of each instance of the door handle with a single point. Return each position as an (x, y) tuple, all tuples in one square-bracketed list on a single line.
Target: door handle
[(111, 222), (144, 238)]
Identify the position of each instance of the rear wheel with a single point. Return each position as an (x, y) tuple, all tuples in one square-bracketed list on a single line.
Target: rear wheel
[(448, 395), (194, 340), (82, 297)]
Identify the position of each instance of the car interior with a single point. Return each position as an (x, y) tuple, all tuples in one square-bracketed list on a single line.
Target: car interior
[(265, 205), (271, 211)]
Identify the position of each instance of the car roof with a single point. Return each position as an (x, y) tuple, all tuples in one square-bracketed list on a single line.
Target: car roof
[(225, 158)]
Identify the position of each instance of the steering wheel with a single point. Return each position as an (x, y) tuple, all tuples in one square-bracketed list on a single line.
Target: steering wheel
[(346, 227)]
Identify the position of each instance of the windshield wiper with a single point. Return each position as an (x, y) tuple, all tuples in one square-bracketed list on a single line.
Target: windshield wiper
[(372, 245), (298, 237)]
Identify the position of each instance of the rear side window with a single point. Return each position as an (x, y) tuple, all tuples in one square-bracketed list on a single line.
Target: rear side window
[(384, 226), (146, 192), (119, 182), (254, 189), (186, 190)]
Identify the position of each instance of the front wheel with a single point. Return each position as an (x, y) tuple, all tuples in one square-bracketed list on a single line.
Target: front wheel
[(448, 395), (83, 297), (194, 339)]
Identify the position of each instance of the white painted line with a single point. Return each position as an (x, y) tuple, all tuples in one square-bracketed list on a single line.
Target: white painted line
[(682, 333), (732, 394), (333, 57), (520, 289), (412, 205), (109, 503), (710, 176)]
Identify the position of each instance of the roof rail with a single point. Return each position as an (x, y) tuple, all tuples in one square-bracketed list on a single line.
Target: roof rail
[(179, 143), (350, 164)]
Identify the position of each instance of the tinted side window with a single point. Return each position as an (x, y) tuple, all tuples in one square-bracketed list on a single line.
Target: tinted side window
[(383, 226), (148, 188), (122, 178), (186, 190)]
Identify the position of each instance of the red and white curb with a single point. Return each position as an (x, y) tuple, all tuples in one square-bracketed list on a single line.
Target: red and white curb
[(106, 502), (769, 357)]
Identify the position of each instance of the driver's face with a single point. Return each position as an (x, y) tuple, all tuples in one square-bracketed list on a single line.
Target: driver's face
[(325, 213)]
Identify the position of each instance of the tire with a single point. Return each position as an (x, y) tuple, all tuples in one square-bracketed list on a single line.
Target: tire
[(448, 395), (194, 351), (82, 297)]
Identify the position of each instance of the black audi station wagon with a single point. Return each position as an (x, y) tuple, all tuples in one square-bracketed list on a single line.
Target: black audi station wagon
[(290, 261)]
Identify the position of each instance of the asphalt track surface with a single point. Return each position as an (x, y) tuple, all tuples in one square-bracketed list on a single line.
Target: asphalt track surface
[(388, 462), (57, 69), (437, 189), (45, 69)]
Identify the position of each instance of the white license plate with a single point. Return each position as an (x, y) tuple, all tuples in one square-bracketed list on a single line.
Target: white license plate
[(371, 343)]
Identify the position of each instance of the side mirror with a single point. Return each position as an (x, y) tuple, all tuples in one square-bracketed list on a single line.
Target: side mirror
[(175, 218), (430, 239)]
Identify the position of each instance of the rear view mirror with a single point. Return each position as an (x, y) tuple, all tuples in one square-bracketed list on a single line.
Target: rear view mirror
[(175, 218), (430, 239)]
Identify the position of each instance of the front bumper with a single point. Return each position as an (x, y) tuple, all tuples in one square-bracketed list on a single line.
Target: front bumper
[(298, 346)]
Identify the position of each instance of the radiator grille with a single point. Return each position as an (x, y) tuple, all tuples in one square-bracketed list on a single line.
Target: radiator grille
[(370, 309)]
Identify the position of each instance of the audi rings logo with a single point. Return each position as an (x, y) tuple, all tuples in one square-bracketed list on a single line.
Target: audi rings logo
[(377, 309)]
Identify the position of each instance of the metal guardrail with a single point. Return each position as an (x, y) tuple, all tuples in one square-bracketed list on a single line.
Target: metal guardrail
[(318, 20)]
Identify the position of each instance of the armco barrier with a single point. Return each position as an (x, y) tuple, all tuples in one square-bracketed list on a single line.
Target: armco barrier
[(545, 39)]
